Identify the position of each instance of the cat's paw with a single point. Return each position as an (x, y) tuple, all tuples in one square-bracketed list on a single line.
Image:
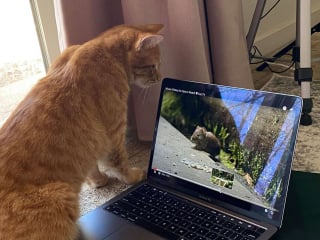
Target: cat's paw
[(98, 181), (134, 175)]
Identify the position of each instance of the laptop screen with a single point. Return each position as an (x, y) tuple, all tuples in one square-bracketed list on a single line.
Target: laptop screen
[(226, 145)]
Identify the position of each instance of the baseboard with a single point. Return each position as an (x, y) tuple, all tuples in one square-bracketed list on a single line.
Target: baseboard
[(273, 42)]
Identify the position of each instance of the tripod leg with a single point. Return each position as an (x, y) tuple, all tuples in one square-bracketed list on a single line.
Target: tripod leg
[(303, 72)]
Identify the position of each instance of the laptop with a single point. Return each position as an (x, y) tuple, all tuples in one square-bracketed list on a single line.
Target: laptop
[(219, 168)]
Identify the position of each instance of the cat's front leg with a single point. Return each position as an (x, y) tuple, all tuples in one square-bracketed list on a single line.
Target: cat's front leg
[(96, 178), (118, 163)]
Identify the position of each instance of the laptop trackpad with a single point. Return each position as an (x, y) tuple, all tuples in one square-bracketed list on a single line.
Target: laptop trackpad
[(100, 224), (132, 232)]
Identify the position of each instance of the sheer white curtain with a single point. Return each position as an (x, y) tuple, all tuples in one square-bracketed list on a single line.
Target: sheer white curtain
[(204, 41)]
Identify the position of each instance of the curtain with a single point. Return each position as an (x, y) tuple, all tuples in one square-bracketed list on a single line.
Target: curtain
[(204, 41)]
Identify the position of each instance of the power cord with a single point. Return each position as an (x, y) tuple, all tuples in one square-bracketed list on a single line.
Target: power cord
[(268, 61)]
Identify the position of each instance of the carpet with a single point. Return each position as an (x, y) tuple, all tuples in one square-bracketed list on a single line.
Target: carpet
[(307, 151)]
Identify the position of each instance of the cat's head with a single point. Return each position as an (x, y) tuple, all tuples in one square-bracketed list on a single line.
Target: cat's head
[(144, 57)]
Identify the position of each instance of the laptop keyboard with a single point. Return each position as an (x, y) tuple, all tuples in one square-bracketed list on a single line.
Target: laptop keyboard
[(175, 218)]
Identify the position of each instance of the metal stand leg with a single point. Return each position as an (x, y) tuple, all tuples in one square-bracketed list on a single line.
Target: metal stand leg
[(302, 56), (255, 24)]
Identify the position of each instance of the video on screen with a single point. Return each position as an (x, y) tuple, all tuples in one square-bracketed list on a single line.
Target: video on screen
[(238, 148)]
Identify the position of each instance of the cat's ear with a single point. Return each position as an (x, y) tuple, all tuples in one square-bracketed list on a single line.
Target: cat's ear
[(153, 28), (148, 41)]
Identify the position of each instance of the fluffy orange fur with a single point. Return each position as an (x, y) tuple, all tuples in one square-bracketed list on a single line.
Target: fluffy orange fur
[(72, 118)]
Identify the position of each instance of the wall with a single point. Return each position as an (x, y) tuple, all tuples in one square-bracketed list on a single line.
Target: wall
[(277, 30)]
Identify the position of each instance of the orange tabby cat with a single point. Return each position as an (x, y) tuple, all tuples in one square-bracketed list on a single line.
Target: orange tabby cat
[(73, 117)]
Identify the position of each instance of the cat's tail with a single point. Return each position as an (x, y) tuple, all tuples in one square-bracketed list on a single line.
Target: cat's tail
[(49, 211)]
